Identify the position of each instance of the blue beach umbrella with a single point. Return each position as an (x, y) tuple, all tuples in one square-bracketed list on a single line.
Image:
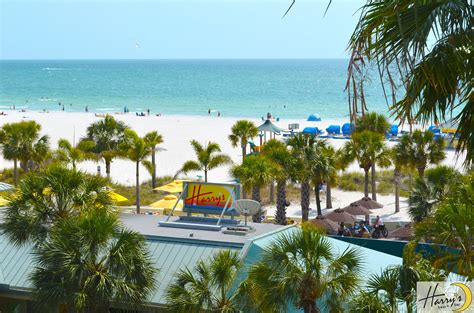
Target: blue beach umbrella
[(314, 118)]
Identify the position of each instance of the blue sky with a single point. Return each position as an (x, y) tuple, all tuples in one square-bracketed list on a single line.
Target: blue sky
[(175, 29)]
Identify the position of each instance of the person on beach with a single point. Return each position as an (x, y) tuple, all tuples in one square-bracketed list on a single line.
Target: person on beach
[(269, 115), (87, 108), (209, 112), (148, 112), (219, 114)]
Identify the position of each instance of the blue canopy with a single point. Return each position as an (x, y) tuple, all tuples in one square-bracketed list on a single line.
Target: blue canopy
[(393, 130), (334, 129), (434, 129), (347, 128), (314, 118), (311, 131)]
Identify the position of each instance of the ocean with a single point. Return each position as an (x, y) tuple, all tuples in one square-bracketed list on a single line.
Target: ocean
[(234, 88)]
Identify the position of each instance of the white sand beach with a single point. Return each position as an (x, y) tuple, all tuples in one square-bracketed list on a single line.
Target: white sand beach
[(177, 132)]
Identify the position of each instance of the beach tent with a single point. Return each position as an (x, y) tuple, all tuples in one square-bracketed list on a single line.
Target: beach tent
[(328, 225), (347, 128), (313, 131), (167, 202), (339, 216), (314, 118), (334, 129), (394, 130), (6, 187), (434, 129), (269, 127), (369, 203)]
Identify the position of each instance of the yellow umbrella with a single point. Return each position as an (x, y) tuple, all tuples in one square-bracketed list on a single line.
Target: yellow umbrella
[(167, 203), (116, 197), (3, 201), (173, 187)]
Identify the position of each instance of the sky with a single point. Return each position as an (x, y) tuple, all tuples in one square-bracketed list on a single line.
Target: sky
[(175, 29)]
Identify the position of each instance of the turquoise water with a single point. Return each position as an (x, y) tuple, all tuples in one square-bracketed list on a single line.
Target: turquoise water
[(237, 88)]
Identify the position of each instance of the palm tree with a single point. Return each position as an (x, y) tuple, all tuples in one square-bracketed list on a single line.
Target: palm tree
[(278, 152), (367, 148), (50, 195), (451, 226), (107, 134), (208, 158), (428, 43), (206, 288), (21, 142), (333, 156), (136, 149), (373, 122), (255, 172), (322, 170), (89, 261), (422, 149), (153, 139), (302, 149), (69, 154), (400, 160), (431, 189), (242, 131), (302, 269)]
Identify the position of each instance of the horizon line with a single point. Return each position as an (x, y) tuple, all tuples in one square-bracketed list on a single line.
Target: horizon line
[(162, 59)]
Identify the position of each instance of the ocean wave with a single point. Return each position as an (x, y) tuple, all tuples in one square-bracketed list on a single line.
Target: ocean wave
[(108, 109), (53, 69), (46, 99)]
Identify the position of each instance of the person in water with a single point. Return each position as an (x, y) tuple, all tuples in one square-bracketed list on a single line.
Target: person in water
[(209, 112)]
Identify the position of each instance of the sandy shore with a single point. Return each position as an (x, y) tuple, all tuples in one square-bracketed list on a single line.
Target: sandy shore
[(177, 132)]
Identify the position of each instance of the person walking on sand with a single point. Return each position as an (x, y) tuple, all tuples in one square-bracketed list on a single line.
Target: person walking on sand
[(219, 114), (87, 108), (148, 112)]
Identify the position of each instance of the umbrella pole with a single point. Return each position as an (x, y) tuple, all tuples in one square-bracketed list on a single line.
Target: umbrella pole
[(231, 195), (174, 207)]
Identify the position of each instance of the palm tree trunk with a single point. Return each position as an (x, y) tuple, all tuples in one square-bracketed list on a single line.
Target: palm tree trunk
[(396, 180), (272, 192), (366, 182), (256, 196), (318, 200), (374, 187), (328, 196), (244, 152), (305, 198), (280, 215), (138, 188), (15, 172), (153, 165), (421, 171), (205, 176), (107, 168)]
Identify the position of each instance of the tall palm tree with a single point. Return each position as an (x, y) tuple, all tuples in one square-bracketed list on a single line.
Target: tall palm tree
[(153, 139), (21, 142), (89, 261), (69, 154), (428, 43), (107, 134), (400, 160), (322, 169), (373, 122), (242, 132), (367, 148), (208, 158), (333, 156), (278, 152), (50, 195), (431, 189), (451, 226), (302, 150), (206, 288), (422, 149), (255, 172), (302, 269), (136, 149)]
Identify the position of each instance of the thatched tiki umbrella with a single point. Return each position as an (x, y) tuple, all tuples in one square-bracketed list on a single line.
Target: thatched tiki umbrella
[(328, 225), (369, 203), (339, 216), (357, 209), (405, 232)]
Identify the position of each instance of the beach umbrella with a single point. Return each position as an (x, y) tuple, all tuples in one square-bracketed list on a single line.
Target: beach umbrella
[(369, 203), (403, 232), (6, 187), (115, 197), (329, 225), (3, 201), (175, 186), (356, 209), (167, 202), (314, 118), (339, 215)]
